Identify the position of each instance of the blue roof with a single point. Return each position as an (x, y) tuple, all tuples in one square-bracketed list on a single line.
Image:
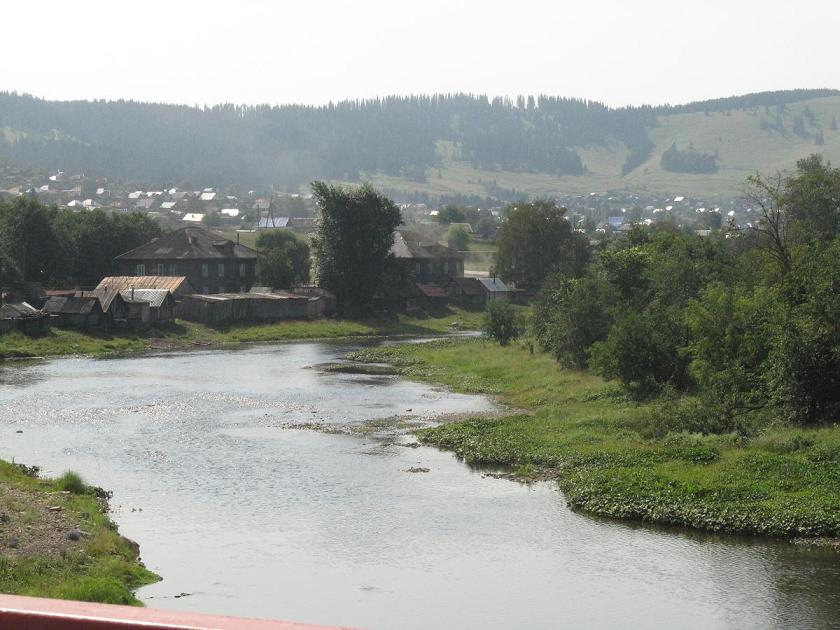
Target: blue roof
[(276, 222), (615, 221)]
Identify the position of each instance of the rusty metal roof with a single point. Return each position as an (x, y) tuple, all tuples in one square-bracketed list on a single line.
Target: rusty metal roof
[(432, 290), (173, 284)]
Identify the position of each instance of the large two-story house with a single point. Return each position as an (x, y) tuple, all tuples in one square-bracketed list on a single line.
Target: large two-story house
[(427, 261), (211, 263)]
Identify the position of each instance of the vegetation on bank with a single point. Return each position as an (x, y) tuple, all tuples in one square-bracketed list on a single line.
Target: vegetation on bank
[(617, 457), (57, 541), (185, 334)]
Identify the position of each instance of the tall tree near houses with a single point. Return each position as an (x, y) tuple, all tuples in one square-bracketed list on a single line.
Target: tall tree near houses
[(352, 247), (535, 240)]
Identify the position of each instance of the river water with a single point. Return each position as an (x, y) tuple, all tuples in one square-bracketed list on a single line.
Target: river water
[(243, 514)]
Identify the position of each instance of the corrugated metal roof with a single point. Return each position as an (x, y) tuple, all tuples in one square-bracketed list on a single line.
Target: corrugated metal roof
[(273, 222), (222, 297), (173, 284), (18, 310), (494, 285), (155, 297)]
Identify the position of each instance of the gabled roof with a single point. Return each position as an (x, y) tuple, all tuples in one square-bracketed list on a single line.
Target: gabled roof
[(408, 244), (190, 243), (106, 296), (174, 284)]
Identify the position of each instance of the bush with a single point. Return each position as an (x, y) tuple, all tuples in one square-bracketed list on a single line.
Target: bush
[(71, 482), (500, 322)]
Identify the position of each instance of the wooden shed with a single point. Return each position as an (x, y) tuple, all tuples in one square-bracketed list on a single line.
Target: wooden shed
[(80, 313)]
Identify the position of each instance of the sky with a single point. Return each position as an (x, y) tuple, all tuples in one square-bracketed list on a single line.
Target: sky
[(316, 51)]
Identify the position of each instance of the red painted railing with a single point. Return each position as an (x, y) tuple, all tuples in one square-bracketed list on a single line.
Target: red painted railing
[(34, 613)]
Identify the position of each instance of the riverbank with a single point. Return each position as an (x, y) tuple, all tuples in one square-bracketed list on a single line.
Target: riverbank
[(183, 334), (592, 439), (56, 540)]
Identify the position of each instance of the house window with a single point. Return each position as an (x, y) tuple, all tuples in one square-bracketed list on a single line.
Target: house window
[(173, 269), (241, 270), (205, 290), (445, 267), (205, 271), (140, 270), (160, 269), (221, 270)]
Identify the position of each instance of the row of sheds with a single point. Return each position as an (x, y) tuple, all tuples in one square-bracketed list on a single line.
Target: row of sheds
[(260, 304), (468, 292), (104, 308)]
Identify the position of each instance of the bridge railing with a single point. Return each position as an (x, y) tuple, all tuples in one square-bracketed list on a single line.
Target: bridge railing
[(35, 613)]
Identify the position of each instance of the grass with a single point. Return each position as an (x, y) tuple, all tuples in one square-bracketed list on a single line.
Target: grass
[(103, 568), (185, 334), (585, 433)]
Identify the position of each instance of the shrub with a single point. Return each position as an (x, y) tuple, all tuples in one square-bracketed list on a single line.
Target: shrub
[(72, 482), (500, 322)]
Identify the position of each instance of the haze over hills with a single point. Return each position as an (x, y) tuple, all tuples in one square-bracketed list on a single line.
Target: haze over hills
[(437, 145)]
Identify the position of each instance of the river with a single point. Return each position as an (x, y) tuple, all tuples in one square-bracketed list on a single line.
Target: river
[(242, 513)]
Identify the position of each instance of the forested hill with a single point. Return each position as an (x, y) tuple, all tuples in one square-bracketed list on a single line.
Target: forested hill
[(434, 144)]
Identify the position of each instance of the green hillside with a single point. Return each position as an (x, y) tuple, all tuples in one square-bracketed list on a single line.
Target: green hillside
[(742, 145), (428, 145)]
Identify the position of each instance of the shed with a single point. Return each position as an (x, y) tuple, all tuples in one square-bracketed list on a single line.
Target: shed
[(433, 295), (224, 307), (24, 317), (495, 289), (81, 313), (469, 292), (113, 305), (161, 304)]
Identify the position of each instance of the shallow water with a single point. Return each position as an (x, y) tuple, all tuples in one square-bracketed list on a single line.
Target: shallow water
[(250, 517)]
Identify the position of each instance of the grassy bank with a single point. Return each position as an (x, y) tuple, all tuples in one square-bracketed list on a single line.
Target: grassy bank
[(183, 334), (594, 441), (56, 540)]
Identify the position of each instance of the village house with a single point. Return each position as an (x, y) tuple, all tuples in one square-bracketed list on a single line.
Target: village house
[(431, 269), (211, 263), (426, 260)]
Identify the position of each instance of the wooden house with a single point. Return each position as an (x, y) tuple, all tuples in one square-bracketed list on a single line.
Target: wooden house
[(211, 263)]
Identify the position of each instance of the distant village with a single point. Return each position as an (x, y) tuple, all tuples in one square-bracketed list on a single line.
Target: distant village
[(596, 213), (202, 271)]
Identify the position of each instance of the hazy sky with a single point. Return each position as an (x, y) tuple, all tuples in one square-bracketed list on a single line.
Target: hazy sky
[(314, 51)]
